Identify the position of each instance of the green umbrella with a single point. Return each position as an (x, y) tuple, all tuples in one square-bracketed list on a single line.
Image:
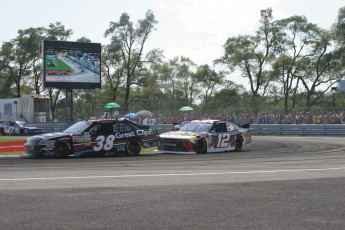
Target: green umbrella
[(186, 108), (112, 105)]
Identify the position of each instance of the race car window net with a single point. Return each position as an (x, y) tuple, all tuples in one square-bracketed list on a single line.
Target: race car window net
[(106, 128), (221, 127), (120, 128)]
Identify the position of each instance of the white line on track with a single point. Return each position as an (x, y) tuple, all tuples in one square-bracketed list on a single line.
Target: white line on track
[(12, 146), (173, 174)]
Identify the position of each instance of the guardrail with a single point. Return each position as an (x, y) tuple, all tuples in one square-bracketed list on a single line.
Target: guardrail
[(59, 127), (52, 127), (256, 129), (300, 129), (162, 128)]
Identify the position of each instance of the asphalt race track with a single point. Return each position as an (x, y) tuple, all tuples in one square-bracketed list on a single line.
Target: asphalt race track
[(276, 183)]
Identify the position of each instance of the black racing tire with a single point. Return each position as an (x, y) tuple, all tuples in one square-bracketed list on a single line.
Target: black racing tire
[(62, 149), (14, 132), (2, 132), (21, 132), (238, 144), (133, 147), (201, 146)]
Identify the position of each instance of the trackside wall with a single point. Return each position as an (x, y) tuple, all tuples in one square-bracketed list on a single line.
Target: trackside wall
[(256, 129)]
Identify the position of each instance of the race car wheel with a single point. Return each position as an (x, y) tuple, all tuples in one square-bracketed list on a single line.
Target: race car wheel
[(13, 132), (2, 132), (133, 147), (239, 144), (62, 149), (21, 131), (201, 146)]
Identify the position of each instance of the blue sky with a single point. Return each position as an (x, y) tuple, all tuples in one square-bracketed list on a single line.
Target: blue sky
[(193, 28)]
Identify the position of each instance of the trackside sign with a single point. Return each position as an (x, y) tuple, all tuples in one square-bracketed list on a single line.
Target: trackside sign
[(341, 85)]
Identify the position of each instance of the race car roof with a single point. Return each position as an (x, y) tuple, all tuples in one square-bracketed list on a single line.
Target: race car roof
[(205, 121)]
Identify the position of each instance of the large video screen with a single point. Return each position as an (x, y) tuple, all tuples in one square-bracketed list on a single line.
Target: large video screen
[(71, 65)]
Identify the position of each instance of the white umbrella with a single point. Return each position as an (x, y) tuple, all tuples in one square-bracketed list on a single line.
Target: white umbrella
[(145, 113)]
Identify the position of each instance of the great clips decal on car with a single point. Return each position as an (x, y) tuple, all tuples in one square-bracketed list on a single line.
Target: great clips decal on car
[(104, 143), (107, 142)]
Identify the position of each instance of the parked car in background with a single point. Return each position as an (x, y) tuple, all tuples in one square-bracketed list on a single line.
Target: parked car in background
[(18, 128), (98, 137), (204, 136)]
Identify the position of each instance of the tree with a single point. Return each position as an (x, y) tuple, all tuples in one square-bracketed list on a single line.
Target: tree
[(185, 77), (320, 68), (209, 82), (167, 80), (227, 99), (339, 32), (5, 82), (84, 39), (150, 93), (57, 32), (283, 70), (294, 35), (113, 69), (130, 40), (18, 56), (252, 55), (175, 79), (339, 27)]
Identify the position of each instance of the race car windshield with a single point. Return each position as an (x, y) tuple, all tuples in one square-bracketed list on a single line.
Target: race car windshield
[(21, 123), (196, 127), (78, 128)]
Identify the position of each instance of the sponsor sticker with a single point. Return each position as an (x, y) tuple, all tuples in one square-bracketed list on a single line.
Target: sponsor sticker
[(87, 138)]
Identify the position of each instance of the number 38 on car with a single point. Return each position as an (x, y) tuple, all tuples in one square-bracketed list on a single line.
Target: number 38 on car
[(204, 136), (93, 138)]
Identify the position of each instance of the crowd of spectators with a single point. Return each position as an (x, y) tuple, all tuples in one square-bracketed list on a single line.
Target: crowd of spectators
[(299, 118), (331, 117)]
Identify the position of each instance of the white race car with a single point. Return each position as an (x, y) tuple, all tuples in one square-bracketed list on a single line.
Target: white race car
[(204, 136)]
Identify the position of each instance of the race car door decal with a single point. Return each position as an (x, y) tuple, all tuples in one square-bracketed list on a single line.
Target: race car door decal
[(223, 140)]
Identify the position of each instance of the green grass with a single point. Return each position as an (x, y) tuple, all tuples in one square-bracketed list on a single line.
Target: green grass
[(148, 150), (60, 65), (10, 139), (11, 153)]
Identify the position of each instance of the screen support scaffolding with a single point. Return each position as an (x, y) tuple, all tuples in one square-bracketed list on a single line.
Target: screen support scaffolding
[(69, 106)]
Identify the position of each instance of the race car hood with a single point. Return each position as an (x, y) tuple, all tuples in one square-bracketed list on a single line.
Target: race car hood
[(29, 127), (48, 136), (181, 135)]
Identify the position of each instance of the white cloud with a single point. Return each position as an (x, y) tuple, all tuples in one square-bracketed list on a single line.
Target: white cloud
[(201, 27)]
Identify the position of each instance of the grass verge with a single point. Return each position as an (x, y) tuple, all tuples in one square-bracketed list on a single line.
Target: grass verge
[(11, 139), (17, 153), (11, 153), (148, 150)]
